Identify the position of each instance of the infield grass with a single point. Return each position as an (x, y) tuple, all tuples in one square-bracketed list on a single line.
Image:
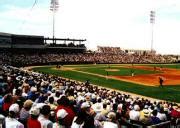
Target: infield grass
[(118, 71)]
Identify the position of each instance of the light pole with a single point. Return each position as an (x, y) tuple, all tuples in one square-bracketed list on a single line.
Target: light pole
[(152, 21), (54, 8)]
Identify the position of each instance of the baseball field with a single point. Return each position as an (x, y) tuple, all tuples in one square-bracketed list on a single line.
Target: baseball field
[(138, 79)]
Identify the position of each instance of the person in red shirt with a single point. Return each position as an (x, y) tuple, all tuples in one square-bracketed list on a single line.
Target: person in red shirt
[(175, 113), (8, 100), (33, 119), (63, 103)]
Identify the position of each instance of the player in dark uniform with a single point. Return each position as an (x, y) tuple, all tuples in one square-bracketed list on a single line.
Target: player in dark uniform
[(161, 82)]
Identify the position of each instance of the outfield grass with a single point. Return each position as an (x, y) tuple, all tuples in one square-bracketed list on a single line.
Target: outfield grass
[(174, 66), (169, 93)]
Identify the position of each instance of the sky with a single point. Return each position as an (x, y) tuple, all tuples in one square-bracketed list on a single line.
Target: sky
[(115, 23)]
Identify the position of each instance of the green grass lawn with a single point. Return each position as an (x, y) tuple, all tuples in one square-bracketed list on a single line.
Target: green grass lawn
[(121, 71), (169, 93), (175, 66)]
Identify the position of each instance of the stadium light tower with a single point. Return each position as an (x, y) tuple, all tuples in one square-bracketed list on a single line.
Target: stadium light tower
[(152, 21), (54, 8)]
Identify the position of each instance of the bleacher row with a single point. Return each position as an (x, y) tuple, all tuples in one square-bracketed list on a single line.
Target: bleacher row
[(36, 57), (37, 100)]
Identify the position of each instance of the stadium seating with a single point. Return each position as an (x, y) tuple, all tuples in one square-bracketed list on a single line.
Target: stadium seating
[(34, 96)]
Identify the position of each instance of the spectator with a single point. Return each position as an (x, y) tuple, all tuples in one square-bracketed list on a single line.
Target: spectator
[(7, 103), (44, 117), (104, 111), (85, 118), (51, 103), (61, 114), (24, 113), (146, 118), (111, 121), (11, 121), (175, 113), (33, 119), (134, 114), (98, 107), (161, 115), (63, 103), (154, 118)]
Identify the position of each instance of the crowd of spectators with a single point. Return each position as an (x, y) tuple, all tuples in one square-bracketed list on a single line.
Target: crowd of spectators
[(110, 50), (36, 100), (89, 57), (66, 45)]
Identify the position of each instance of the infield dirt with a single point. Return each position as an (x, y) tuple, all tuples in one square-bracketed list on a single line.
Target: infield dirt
[(170, 76)]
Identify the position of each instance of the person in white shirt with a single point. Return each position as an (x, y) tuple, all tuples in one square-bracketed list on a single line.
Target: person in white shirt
[(84, 118), (111, 121), (11, 121), (134, 114), (97, 107), (44, 117), (161, 115)]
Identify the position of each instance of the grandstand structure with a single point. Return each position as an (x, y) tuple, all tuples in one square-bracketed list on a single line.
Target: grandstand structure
[(13, 46), (139, 51), (14, 41), (118, 50), (25, 50)]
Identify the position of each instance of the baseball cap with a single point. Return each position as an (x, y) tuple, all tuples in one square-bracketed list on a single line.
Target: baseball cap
[(85, 105), (146, 106), (136, 107), (34, 111), (146, 113), (33, 89), (111, 115), (14, 108), (97, 107), (61, 113)]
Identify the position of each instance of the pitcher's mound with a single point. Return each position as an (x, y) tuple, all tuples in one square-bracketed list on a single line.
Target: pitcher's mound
[(112, 70)]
